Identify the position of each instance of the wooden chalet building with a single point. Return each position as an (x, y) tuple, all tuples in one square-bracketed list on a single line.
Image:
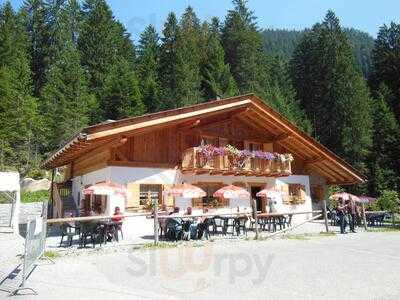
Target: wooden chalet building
[(154, 151)]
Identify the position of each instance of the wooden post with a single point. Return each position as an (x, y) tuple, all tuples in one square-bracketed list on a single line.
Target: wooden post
[(393, 220), (155, 210), (51, 211), (364, 217), (254, 207), (325, 215)]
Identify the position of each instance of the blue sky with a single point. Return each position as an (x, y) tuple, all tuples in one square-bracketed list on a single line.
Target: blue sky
[(366, 15)]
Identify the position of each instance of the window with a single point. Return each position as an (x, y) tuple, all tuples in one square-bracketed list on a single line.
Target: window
[(297, 194), (209, 201), (99, 202), (255, 146), (155, 193), (209, 140)]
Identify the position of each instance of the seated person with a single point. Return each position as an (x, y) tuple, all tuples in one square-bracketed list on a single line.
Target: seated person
[(163, 208), (175, 212), (117, 220), (189, 211), (163, 222), (117, 216), (203, 223), (193, 223)]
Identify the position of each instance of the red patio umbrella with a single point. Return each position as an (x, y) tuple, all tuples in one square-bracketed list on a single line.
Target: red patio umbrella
[(185, 190), (105, 188), (232, 191)]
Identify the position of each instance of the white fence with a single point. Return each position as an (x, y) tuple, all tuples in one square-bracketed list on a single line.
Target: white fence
[(34, 247)]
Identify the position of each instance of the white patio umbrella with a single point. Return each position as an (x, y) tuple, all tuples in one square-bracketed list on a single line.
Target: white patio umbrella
[(269, 193), (232, 191), (185, 190)]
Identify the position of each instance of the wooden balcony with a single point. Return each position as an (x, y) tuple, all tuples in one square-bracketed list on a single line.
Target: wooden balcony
[(193, 161)]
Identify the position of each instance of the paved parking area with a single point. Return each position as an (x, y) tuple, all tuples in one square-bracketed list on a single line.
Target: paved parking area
[(353, 266)]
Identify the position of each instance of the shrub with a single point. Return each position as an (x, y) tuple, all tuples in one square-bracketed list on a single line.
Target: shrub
[(37, 196), (389, 200)]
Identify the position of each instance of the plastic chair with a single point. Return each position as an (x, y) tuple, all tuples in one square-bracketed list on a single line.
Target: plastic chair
[(230, 223), (219, 225), (241, 226), (174, 229), (91, 230), (68, 231)]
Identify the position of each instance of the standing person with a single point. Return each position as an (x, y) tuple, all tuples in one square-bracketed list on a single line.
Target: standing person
[(272, 206), (352, 214), (342, 215)]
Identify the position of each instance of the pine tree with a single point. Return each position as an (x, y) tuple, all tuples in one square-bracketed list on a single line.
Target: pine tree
[(168, 62), (244, 49), (188, 77), (67, 101), (148, 65), (217, 77), (281, 94), (384, 160), (18, 109), (386, 61), (36, 18), (121, 94), (331, 88), (254, 70), (104, 45)]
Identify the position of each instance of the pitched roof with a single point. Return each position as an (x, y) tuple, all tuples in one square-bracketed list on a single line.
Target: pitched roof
[(253, 110)]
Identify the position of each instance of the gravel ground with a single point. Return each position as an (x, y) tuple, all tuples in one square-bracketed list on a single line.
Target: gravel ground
[(354, 266)]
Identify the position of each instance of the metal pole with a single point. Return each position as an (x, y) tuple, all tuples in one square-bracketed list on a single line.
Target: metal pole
[(254, 207), (364, 217), (325, 215), (51, 212), (155, 209), (13, 204)]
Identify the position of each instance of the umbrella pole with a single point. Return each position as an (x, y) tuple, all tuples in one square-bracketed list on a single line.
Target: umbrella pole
[(325, 215), (155, 208), (254, 206)]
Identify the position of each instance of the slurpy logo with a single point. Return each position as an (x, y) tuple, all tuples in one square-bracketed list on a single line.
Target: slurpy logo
[(190, 269)]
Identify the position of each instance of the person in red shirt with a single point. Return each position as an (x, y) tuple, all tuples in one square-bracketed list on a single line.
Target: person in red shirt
[(117, 216)]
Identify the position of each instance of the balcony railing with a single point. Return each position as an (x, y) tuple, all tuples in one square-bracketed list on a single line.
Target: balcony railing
[(194, 161)]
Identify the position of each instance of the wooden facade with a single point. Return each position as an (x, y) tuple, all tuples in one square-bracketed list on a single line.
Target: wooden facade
[(166, 148), (160, 140)]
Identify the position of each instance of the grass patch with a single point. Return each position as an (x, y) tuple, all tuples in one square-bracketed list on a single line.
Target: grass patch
[(384, 229), (307, 236), (324, 233), (301, 237), (161, 245), (38, 196), (51, 254)]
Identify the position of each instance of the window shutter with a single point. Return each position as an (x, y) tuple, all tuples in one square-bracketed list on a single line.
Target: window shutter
[(168, 200), (286, 197), (133, 195), (303, 194), (268, 147)]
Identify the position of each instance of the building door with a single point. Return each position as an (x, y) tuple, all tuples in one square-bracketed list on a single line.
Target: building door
[(259, 201)]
